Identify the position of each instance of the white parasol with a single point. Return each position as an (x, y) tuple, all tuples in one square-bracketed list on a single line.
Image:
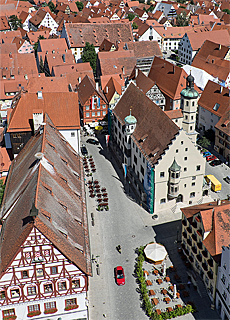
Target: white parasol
[(155, 252), (164, 269)]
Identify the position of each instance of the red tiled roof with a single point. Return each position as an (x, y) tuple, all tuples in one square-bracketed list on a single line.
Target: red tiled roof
[(47, 84), (66, 116), (152, 122), (214, 93), (25, 186), (87, 88), (78, 33), (4, 25), (174, 114), (170, 79)]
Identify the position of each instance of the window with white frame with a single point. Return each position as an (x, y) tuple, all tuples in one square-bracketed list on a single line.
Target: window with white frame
[(50, 305), (31, 290), (34, 307)]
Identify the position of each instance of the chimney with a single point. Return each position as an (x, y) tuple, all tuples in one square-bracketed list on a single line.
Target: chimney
[(218, 202), (123, 70), (79, 80), (63, 58), (37, 119), (165, 27), (10, 55), (136, 72), (221, 89), (219, 46), (97, 86), (106, 89)]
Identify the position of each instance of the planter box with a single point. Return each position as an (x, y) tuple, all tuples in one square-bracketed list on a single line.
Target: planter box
[(33, 314), (74, 306), (50, 311)]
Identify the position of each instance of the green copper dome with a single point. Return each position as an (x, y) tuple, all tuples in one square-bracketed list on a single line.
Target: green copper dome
[(189, 92), (130, 119), (175, 166)]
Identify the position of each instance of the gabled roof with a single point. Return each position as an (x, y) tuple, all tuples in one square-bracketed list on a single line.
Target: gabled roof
[(106, 45), (87, 88), (144, 83), (224, 123), (38, 17), (174, 114), (78, 34), (111, 88), (212, 95), (210, 58), (4, 25), (142, 49), (151, 122), (60, 204), (217, 36), (66, 116), (47, 84), (121, 62), (56, 45), (169, 78)]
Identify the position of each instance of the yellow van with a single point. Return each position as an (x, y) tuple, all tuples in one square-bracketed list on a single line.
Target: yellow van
[(215, 184)]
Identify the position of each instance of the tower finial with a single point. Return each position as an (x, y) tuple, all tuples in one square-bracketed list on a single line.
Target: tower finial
[(130, 110)]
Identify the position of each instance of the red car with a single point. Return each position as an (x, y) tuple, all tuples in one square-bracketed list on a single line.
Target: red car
[(119, 276), (210, 158)]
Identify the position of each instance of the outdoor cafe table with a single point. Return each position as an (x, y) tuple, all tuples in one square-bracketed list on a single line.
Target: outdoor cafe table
[(179, 306), (155, 271), (167, 299), (154, 301), (148, 283), (158, 311), (167, 279), (178, 295), (159, 281), (171, 288), (164, 291), (169, 309)]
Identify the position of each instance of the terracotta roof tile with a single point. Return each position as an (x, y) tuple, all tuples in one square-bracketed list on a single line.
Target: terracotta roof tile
[(95, 33), (151, 121), (66, 116), (214, 93), (169, 78), (120, 62), (87, 88), (47, 84), (174, 114), (4, 25), (25, 186)]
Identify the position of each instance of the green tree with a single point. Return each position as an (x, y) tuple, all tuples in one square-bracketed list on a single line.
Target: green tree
[(204, 142), (134, 25), (89, 55), (36, 44), (51, 6), (80, 5), (131, 16), (15, 22), (227, 11), (182, 20)]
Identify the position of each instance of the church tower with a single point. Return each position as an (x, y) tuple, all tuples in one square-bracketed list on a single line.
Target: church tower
[(189, 100)]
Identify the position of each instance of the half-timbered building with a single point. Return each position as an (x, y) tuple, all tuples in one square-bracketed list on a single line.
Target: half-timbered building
[(44, 242)]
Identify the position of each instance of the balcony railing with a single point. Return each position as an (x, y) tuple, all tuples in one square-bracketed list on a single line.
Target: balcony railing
[(189, 242), (210, 275)]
